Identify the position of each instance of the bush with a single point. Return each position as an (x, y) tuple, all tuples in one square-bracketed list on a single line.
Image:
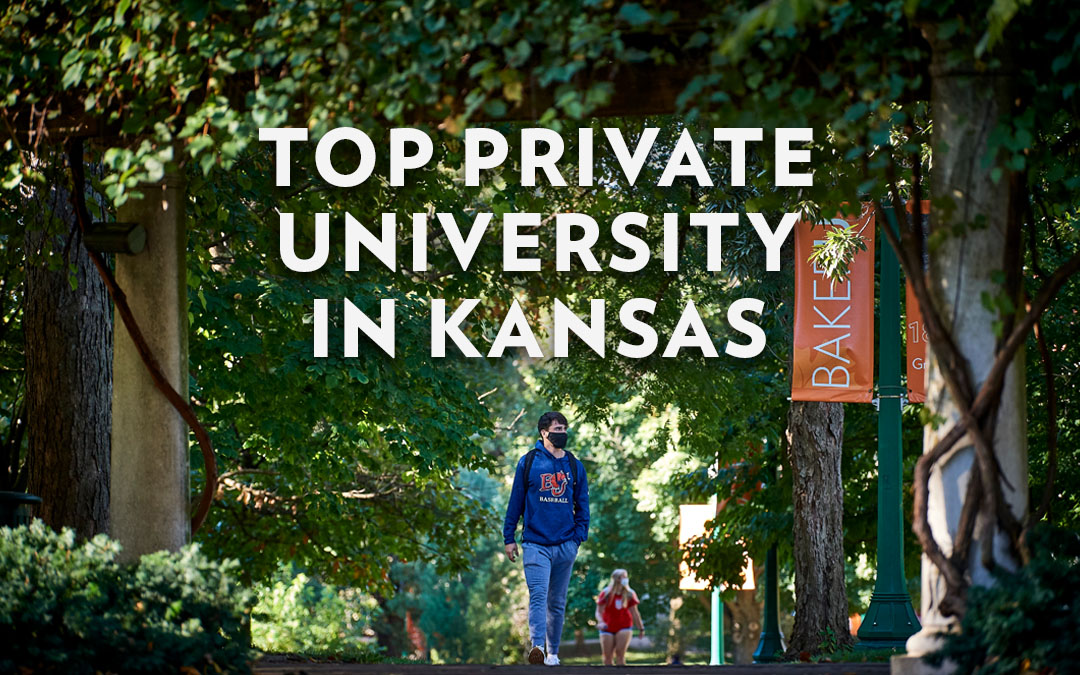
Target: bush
[(1027, 621), (299, 614), (73, 609)]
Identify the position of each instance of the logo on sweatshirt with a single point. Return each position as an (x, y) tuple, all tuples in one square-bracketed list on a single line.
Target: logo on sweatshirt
[(555, 483)]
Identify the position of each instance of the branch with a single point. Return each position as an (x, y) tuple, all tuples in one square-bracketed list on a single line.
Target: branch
[(966, 526), (954, 577), (1019, 333)]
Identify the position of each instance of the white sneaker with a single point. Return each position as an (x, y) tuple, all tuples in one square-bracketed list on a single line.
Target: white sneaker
[(551, 660), (536, 655)]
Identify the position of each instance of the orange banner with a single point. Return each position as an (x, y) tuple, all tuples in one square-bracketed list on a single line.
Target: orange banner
[(915, 331), (834, 321)]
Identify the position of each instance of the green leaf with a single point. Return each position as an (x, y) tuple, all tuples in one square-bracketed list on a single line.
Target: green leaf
[(73, 75), (634, 14)]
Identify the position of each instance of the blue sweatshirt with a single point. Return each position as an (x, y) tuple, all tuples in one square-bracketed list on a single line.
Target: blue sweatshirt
[(555, 509)]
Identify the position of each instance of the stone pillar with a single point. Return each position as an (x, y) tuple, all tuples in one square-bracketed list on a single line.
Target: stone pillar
[(967, 105), (150, 502)]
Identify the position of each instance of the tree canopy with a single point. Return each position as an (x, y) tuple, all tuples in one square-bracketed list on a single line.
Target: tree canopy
[(324, 458)]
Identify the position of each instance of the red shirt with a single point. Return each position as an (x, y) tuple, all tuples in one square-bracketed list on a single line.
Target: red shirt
[(617, 613)]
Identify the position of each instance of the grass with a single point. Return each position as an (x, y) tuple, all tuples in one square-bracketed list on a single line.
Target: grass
[(346, 655), (633, 658), (638, 658), (858, 656), (702, 659)]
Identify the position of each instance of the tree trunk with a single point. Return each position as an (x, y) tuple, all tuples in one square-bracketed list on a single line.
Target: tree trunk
[(815, 442), (967, 105), (390, 630), (674, 636), (744, 614), (68, 378), (580, 648)]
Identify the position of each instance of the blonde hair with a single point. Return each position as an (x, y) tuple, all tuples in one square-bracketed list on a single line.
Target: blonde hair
[(624, 592)]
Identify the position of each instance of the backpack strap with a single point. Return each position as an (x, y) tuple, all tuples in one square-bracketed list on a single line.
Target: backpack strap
[(573, 468), (529, 457)]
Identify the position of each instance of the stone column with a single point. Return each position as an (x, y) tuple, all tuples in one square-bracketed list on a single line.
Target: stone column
[(150, 502), (967, 105)]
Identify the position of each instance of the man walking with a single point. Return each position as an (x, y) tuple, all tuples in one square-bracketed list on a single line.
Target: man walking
[(551, 490)]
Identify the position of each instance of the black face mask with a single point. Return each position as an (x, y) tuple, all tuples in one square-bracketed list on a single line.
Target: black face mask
[(558, 438)]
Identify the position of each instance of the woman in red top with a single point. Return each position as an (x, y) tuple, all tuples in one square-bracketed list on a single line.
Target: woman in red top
[(616, 614)]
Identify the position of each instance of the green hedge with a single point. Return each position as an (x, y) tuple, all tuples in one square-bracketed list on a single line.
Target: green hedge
[(1029, 621), (71, 608)]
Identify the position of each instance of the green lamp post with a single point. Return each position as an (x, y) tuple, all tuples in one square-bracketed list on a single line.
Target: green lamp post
[(716, 642), (890, 619), (771, 642)]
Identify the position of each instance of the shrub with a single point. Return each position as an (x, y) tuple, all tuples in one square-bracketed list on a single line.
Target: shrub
[(73, 609), (300, 614), (1027, 621)]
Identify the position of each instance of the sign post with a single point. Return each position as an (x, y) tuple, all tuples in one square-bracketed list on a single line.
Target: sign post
[(717, 643), (692, 519)]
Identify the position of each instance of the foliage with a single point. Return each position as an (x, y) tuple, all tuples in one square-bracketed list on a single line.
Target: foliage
[(1029, 621), (475, 615), (634, 519), (714, 418), (296, 613), (362, 654), (318, 463), (322, 447), (835, 253), (12, 350), (203, 78), (1061, 333), (71, 608)]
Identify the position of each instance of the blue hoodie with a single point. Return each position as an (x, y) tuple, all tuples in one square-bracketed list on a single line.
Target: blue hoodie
[(555, 509)]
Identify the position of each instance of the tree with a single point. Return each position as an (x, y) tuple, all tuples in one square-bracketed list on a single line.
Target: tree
[(821, 603), (68, 331), (877, 131), (721, 417), (633, 519), (862, 74), (319, 465)]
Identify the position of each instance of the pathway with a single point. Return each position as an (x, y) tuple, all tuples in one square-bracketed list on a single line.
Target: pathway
[(281, 667)]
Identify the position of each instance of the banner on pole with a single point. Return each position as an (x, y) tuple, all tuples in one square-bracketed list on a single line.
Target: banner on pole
[(834, 321), (915, 331)]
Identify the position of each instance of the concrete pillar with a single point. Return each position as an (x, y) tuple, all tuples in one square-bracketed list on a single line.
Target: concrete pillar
[(967, 106), (150, 503)]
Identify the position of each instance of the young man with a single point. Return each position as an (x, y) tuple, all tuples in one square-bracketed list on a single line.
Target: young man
[(551, 490)]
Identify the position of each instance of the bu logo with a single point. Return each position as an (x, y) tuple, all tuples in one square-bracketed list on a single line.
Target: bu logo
[(555, 483)]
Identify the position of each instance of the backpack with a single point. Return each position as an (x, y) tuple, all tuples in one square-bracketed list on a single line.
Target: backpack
[(531, 455)]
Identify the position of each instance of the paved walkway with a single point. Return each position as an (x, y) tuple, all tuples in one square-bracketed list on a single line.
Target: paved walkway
[(276, 667)]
